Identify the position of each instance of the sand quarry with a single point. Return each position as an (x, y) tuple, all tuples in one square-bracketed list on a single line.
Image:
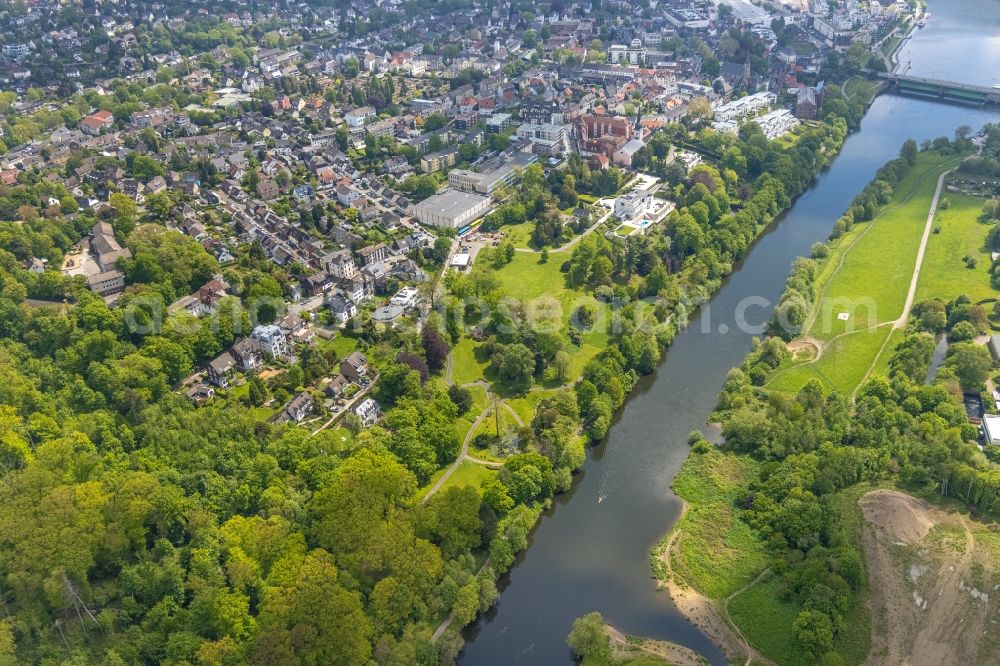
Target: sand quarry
[(934, 583)]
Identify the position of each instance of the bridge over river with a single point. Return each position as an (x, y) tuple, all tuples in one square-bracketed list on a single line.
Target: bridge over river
[(948, 91)]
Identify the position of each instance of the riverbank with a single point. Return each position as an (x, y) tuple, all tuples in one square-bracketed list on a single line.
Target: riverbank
[(625, 648), (737, 522), (710, 556)]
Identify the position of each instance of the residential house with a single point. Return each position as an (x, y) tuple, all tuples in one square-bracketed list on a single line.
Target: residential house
[(94, 123), (297, 408), (271, 339), (222, 369), (368, 411), (342, 308), (355, 367), (373, 253), (334, 388)]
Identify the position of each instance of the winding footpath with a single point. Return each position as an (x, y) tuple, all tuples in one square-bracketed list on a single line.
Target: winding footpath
[(572, 242)]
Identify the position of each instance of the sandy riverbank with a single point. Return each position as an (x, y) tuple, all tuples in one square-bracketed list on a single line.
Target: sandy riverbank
[(709, 615), (627, 647)]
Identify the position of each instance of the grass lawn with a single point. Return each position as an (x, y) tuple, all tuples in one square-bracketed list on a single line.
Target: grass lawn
[(803, 48), (468, 361), (526, 405), (464, 422), (717, 552), (489, 425), (343, 344), (342, 436), (878, 257), (861, 87), (944, 274), (519, 234), (867, 276), (842, 366), (766, 621), (468, 474), (535, 283)]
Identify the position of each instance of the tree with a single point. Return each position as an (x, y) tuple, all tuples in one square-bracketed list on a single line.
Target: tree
[(462, 397), (514, 363), (814, 632), (498, 142), (588, 640), (451, 520), (971, 363), (435, 349), (397, 381), (562, 363), (258, 391), (909, 151), (313, 619), (415, 362)]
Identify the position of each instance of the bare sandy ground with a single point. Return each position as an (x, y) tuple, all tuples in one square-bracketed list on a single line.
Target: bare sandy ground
[(932, 584), (623, 646)]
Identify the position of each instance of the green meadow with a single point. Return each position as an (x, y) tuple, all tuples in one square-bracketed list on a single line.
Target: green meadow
[(867, 277)]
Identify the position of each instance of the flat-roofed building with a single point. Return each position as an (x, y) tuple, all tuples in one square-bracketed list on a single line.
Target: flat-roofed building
[(452, 209)]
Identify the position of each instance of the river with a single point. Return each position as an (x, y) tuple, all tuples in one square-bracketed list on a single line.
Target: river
[(588, 555)]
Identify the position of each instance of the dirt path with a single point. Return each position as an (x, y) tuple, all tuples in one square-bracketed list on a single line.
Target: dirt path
[(900, 322), (815, 310), (448, 620), (513, 413)]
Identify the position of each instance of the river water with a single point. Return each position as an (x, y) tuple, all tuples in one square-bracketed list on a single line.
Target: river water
[(591, 550)]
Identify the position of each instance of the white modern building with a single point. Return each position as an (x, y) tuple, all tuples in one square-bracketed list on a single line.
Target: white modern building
[(405, 297), (634, 204), (777, 123), (368, 411), (744, 106), (271, 339), (633, 54)]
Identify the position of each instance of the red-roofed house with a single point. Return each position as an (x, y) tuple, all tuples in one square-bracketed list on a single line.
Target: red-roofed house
[(93, 123)]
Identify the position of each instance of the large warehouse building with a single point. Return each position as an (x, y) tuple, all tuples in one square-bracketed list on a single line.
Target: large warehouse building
[(452, 209)]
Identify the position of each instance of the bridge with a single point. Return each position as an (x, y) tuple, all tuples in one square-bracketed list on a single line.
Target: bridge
[(948, 91)]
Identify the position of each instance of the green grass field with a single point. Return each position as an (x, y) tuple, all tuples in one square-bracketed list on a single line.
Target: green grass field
[(519, 234), (343, 344), (468, 474), (944, 275), (468, 362), (717, 553), (867, 276), (464, 422), (766, 622), (841, 367), (861, 87)]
